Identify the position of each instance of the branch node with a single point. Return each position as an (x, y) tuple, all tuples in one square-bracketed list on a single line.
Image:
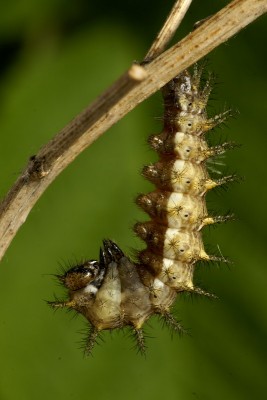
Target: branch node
[(36, 169), (137, 73)]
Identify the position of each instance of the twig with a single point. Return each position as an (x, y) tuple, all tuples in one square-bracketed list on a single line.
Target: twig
[(132, 88), (169, 28)]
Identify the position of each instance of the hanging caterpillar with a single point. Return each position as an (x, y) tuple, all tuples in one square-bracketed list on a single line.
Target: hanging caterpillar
[(116, 291)]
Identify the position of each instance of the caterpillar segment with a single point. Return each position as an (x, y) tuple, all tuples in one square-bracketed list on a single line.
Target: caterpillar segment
[(115, 291)]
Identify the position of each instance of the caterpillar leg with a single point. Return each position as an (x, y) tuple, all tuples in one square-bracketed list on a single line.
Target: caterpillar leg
[(172, 323), (91, 340), (61, 304), (140, 340)]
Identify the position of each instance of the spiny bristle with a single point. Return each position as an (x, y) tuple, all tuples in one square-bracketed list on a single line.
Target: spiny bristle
[(90, 341), (227, 179), (219, 118), (201, 292), (172, 323), (59, 304), (221, 219), (140, 340), (221, 148)]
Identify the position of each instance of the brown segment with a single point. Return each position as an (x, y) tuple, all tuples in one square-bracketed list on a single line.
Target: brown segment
[(152, 233), (162, 143), (79, 276), (160, 173), (155, 204)]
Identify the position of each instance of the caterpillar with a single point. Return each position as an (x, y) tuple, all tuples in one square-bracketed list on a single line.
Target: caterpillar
[(116, 291)]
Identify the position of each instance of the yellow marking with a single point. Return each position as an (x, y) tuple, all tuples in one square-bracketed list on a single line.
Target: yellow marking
[(209, 184), (208, 221), (204, 256)]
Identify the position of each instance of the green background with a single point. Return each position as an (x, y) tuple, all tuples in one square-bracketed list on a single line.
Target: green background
[(56, 57)]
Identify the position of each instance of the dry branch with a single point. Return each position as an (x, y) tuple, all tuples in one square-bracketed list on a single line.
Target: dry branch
[(138, 83), (169, 28)]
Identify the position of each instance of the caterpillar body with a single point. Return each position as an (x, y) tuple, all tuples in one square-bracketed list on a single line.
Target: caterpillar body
[(115, 291)]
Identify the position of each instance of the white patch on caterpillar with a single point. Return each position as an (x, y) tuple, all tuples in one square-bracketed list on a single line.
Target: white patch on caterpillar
[(90, 289), (190, 147)]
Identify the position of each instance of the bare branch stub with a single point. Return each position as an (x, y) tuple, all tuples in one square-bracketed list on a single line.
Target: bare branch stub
[(125, 94), (168, 30)]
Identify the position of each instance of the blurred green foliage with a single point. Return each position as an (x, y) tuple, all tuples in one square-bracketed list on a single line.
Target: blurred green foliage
[(56, 57)]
